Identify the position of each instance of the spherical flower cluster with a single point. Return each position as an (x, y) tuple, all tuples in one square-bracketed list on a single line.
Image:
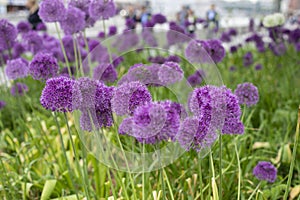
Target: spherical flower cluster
[(258, 67), (102, 9), (43, 66), (153, 122), (199, 51), (194, 80), (128, 96), (74, 21), (273, 20), (58, 94), (248, 59), (149, 38), (19, 89), (52, 11), (105, 72), (214, 108), (2, 104), (247, 94), (265, 171), (170, 73), (33, 42), (17, 68), (23, 27), (8, 34), (112, 30), (159, 19), (41, 27), (18, 50), (173, 58)]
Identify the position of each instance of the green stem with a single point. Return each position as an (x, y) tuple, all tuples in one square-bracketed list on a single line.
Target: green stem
[(293, 159), (239, 168), (104, 28), (76, 158), (143, 175), (75, 54), (65, 154), (127, 166), (169, 185), (200, 177), (63, 49), (220, 166), (254, 191)]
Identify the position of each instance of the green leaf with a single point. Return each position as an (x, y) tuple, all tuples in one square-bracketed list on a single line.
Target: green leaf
[(71, 197), (48, 189)]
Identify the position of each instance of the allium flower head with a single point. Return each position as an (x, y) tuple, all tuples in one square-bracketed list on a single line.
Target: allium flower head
[(194, 80), (18, 50), (23, 27), (170, 73), (2, 104), (8, 34), (52, 10), (74, 21), (102, 9), (265, 171), (159, 19), (248, 59), (58, 94), (86, 93), (128, 96), (105, 72), (247, 94), (41, 27), (258, 67), (149, 38), (19, 89), (112, 30), (199, 51), (33, 42), (43, 66), (17, 68), (173, 58)]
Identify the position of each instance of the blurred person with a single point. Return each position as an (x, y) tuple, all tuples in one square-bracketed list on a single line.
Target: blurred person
[(212, 20), (33, 18), (145, 16), (132, 17), (191, 20), (182, 15)]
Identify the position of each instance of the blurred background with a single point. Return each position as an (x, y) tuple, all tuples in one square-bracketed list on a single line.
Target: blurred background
[(233, 13)]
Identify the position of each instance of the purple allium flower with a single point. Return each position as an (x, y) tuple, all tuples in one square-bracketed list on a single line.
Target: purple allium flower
[(85, 96), (41, 27), (128, 96), (105, 72), (258, 67), (278, 48), (58, 94), (194, 80), (159, 19), (176, 35), (130, 23), (17, 68), (8, 34), (23, 27), (104, 95), (225, 37), (74, 21), (297, 46), (33, 42), (265, 171), (215, 50), (248, 59), (112, 30), (117, 61), (2, 104), (187, 132), (196, 51), (170, 73), (52, 10), (18, 50), (232, 68), (102, 9), (232, 32), (141, 73), (126, 41), (153, 122), (247, 93), (101, 35), (294, 36), (19, 89), (83, 5), (157, 59), (173, 58), (43, 66), (233, 49), (149, 38)]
